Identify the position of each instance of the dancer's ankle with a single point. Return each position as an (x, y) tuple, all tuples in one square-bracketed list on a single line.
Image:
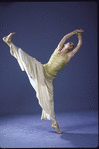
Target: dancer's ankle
[(9, 43)]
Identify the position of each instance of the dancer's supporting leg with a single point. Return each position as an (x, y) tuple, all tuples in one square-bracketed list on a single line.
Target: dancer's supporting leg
[(55, 125)]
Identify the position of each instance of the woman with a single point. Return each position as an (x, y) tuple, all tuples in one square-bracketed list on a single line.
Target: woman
[(41, 76)]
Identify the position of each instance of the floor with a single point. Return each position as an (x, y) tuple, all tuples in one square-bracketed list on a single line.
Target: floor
[(80, 129)]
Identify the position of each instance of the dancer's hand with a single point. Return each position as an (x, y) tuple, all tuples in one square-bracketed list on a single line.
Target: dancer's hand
[(79, 31), (79, 34)]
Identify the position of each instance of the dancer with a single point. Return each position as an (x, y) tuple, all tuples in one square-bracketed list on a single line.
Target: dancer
[(41, 76)]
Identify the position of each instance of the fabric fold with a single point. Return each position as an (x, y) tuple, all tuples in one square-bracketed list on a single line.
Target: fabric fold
[(40, 81)]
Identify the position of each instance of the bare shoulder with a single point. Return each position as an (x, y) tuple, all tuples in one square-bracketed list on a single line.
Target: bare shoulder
[(70, 55), (57, 49)]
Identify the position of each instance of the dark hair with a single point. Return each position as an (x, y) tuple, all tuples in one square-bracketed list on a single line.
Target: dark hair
[(73, 44)]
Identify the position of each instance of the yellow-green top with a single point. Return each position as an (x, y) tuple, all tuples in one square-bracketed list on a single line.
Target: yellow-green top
[(56, 63)]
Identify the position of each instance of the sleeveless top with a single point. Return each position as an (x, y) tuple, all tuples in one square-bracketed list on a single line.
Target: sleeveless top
[(56, 63)]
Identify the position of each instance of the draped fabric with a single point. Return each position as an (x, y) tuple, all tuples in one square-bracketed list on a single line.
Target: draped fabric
[(39, 79)]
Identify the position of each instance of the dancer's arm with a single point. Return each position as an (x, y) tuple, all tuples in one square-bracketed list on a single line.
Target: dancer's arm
[(72, 53), (60, 45), (79, 43)]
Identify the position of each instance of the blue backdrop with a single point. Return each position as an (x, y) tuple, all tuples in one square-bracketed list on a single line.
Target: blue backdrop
[(39, 27)]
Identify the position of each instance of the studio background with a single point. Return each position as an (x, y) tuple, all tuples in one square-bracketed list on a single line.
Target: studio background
[(39, 27)]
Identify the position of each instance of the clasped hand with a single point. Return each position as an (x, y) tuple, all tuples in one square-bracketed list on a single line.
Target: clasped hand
[(79, 32)]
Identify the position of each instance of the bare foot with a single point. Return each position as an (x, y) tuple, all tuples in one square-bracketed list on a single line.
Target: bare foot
[(56, 128), (8, 38), (58, 131), (53, 126)]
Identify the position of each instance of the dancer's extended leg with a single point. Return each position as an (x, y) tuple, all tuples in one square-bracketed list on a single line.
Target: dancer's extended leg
[(7, 40)]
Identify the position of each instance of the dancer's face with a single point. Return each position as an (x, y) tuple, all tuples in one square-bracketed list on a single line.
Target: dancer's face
[(69, 45)]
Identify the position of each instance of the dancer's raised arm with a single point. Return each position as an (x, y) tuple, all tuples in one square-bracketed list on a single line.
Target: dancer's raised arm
[(79, 43), (60, 45), (72, 53)]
